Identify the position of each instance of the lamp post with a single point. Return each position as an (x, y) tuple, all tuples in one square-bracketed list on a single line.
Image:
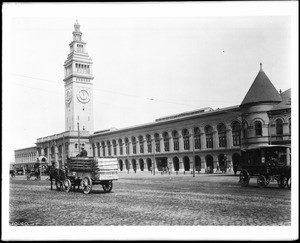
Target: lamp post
[(193, 144)]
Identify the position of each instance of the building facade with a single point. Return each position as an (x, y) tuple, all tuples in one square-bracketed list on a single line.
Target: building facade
[(199, 140)]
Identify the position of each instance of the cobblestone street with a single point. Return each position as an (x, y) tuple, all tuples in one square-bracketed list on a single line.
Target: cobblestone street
[(144, 199)]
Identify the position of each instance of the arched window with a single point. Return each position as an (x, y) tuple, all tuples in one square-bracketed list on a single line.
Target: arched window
[(236, 133), (157, 142), (108, 147), (141, 142), (209, 136), (175, 140), (258, 128), (114, 146), (279, 129), (197, 141), (149, 143), (133, 140), (121, 146), (98, 148), (166, 141), (94, 148), (186, 139), (222, 135), (127, 145), (103, 148)]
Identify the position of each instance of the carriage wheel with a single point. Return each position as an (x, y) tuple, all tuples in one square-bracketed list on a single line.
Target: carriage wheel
[(107, 186), (244, 178), (281, 182), (288, 183), (261, 181), (86, 184), (67, 185)]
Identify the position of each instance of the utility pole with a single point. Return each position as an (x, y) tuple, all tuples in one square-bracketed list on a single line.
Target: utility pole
[(153, 157), (78, 137), (193, 144), (63, 153)]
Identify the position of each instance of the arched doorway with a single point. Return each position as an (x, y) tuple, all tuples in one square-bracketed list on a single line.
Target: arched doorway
[(141, 162), (197, 163), (121, 165), (186, 163), (176, 163), (222, 162), (127, 164), (133, 165), (209, 163), (236, 158), (149, 164)]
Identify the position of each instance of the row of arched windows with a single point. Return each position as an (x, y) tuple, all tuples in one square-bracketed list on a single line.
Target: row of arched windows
[(147, 143), (258, 128)]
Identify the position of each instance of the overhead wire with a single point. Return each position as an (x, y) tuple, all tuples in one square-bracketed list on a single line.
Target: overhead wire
[(114, 92)]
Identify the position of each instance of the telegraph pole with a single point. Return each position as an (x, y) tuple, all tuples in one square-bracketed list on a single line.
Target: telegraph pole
[(78, 137), (153, 157), (193, 144)]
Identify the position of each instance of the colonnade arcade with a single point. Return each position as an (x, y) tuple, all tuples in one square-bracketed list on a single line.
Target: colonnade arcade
[(175, 149)]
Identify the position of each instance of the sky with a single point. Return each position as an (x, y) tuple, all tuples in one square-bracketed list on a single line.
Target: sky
[(149, 60)]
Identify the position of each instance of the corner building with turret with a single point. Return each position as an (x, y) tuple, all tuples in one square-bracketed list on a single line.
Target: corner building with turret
[(203, 137)]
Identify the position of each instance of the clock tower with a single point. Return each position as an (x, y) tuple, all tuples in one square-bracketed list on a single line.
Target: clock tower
[(78, 85)]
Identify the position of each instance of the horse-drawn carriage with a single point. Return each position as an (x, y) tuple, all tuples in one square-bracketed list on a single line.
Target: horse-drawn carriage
[(266, 163), (33, 173), (85, 172)]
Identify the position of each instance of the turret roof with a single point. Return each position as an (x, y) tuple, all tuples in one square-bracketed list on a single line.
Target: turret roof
[(261, 90)]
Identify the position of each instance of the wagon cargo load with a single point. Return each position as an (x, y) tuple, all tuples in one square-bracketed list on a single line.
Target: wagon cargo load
[(98, 168)]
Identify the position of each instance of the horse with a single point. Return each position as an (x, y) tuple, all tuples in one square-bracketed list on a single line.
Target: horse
[(57, 174), (12, 173)]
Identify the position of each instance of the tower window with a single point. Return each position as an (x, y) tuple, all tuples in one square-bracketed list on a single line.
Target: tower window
[(258, 128)]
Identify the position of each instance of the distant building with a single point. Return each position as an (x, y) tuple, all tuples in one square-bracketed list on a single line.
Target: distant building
[(204, 136)]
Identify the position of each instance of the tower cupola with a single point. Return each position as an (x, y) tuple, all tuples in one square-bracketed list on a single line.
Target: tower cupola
[(77, 33)]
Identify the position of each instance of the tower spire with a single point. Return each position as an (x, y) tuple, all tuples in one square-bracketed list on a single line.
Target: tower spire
[(260, 67), (77, 33)]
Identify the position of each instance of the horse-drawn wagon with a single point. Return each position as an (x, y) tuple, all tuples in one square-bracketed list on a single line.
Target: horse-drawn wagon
[(85, 172), (266, 163)]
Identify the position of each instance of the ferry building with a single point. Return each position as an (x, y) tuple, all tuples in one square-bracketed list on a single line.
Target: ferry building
[(202, 137)]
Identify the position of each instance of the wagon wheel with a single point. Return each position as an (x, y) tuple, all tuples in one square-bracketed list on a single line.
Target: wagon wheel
[(67, 185), (281, 182), (86, 184), (107, 186), (288, 182), (244, 178), (261, 181)]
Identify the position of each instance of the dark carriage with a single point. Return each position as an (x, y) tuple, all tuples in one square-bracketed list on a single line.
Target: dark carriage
[(33, 173), (266, 163), (85, 172)]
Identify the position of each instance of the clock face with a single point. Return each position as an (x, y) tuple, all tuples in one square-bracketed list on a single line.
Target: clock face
[(68, 96), (83, 96)]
